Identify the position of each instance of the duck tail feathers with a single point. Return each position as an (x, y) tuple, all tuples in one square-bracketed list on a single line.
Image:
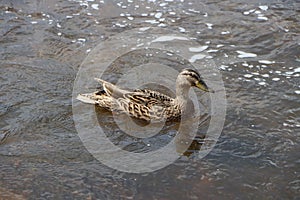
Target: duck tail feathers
[(111, 89), (87, 98)]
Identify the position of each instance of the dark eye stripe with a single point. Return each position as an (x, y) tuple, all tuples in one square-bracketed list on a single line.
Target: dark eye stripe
[(191, 70), (192, 74)]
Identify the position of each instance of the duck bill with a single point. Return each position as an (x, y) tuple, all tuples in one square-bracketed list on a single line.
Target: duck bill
[(202, 86)]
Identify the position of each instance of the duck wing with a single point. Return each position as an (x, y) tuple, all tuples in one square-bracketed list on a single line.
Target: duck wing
[(147, 104), (149, 98)]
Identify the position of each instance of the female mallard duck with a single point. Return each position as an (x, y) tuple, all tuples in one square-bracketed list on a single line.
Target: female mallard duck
[(146, 104)]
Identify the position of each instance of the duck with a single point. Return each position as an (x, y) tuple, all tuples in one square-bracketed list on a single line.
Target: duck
[(146, 104)]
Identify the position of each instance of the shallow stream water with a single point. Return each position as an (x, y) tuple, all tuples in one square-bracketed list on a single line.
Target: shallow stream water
[(255, 46)]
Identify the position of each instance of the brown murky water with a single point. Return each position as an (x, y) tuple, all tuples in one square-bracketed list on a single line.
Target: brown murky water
[(255, 46)]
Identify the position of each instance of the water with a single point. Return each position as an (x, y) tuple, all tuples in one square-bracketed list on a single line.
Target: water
[(255, 46)]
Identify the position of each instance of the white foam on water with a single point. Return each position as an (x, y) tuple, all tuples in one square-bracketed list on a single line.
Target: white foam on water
[(262, 18), (257, 12), (84, 4), (263, 7), (120, 25), (245, 64), (163, 4), (212, 50), (196, 57), (267, 62), (225, 32), (162, 25), (248, 75), (265, 75), (182, 30), (223, 67), (95, 6), (167, 38), (289, 73), (158, 15), (246, 55), (81, 39), (262, 83), (209, 25), (248, 12), (275, 79), (151, 21), (193, 10), (198, 49), (297, 91), (144, 28), (297, 70)]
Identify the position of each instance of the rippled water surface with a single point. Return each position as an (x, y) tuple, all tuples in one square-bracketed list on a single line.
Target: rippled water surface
[(254, 45)]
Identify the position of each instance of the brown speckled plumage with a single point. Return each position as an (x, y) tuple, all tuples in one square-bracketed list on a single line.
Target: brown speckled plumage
[(146, 104)]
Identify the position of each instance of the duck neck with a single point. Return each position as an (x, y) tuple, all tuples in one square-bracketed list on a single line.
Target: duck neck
[(182, 94)]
